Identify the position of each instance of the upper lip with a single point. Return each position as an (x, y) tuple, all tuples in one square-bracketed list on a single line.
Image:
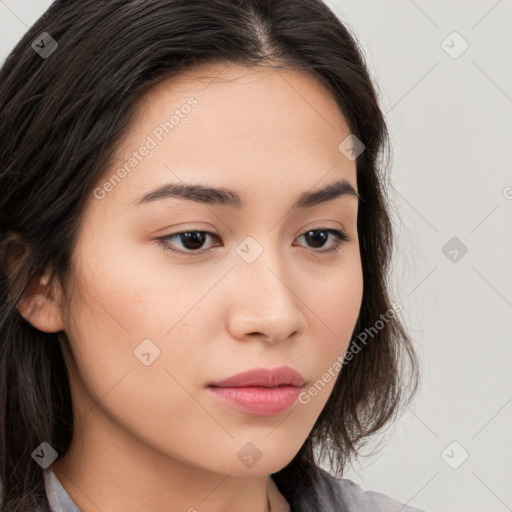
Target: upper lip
[(263, 377)]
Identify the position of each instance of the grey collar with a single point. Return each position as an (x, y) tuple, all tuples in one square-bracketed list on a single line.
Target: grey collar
[(60, 501)]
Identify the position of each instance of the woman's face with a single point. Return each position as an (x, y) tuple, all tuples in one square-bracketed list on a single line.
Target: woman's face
[(151, 329)]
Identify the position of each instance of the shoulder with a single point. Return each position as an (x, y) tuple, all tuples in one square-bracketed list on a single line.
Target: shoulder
[(343, 495)]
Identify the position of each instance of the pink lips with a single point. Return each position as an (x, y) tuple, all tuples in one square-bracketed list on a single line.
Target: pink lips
[(260, 391)]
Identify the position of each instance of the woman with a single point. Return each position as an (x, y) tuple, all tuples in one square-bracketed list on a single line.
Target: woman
[(195, 241)]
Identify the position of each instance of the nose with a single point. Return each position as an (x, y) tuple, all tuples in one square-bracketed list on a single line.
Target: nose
[(263, 303)]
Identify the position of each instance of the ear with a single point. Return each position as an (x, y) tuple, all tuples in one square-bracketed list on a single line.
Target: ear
[(41, 305)]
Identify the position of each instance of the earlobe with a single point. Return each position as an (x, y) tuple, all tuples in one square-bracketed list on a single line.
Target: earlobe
[(41, 305)]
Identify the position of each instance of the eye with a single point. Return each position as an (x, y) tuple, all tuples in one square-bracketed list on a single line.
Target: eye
[(192, 241), (320, 235)]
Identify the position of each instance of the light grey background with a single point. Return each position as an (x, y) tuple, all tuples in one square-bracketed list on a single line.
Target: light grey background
[(450, 120)]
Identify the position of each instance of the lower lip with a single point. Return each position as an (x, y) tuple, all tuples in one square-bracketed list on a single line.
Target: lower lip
[(258, 401)]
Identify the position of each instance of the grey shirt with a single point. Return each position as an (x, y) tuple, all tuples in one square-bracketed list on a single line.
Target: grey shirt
[(331, 495)]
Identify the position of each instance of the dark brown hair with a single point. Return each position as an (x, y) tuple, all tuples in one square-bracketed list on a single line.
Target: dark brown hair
[(60, 119)]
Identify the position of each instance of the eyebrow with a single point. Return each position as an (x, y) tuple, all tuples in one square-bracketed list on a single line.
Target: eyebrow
[(224, 197)]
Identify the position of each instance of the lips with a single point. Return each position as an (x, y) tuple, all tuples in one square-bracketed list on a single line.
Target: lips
[(263, 377), (260, 391)]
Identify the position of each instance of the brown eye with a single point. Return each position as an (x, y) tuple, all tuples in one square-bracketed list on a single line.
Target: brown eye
[(318, 237), (191, 241)]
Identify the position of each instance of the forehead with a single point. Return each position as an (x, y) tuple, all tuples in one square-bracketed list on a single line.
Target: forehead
[(227, 83), (234, 100), (228, 125)]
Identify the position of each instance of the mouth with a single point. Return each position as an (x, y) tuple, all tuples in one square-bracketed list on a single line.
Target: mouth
[(260, 391)]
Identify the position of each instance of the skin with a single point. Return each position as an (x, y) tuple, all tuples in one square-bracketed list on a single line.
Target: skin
[(152, 437)]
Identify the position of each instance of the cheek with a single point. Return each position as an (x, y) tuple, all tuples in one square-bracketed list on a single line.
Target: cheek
[(119, 317), (130, 290), (126, 310), (335, 302), (335, 305), (158, 403)]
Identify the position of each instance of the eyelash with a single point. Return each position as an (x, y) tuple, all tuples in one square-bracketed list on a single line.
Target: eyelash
[(340, 235)]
